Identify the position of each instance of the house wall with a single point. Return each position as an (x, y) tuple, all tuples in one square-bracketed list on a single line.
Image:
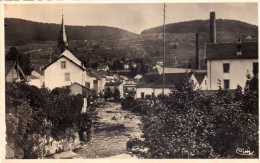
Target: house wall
[(149, 91), (54, 75), (75, 89), (101, 84), (90, 80), (204, 84), (239, 68), (36, 82)]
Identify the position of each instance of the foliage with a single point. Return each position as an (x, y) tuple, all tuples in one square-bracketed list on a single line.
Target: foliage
[(23, 59), (195, 124), (139, 106), (31, 111)]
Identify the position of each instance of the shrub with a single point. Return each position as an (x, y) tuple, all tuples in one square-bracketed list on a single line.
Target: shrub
[(191, 124), (31, 111)]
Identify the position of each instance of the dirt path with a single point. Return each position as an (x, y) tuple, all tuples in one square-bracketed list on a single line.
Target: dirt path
[(113, 129)]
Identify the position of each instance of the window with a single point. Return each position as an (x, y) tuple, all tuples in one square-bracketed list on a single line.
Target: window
[(255, 68), (142, 94), (63, 64), (226, 67), (226, 84), (67, 76)]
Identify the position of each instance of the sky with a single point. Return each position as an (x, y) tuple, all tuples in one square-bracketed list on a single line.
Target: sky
[(131, 17)]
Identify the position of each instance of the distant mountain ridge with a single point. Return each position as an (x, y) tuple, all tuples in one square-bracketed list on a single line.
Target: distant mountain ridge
[(180, 39), (203, 26), (99, 42), (24, 31)]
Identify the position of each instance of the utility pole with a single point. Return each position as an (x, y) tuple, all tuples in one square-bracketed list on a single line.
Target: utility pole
[(164, 9)]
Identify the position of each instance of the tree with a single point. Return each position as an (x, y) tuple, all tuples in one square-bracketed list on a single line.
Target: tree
[(191, 124), (25, 63), (12, 54)]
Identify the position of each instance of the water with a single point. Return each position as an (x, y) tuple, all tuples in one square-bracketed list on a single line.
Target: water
[(114, 127)]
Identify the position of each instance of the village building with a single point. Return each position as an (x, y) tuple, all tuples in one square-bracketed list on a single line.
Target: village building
[(64, 71), (129, 87), (113, 86), (231, 64), (169, 70), (67, 70), (152, 84), (78, 89), (96, 81)]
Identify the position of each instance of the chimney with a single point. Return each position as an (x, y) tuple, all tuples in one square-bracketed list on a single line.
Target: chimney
[(197, 51), (212, 27)]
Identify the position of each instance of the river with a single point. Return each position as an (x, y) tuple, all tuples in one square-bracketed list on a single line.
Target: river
[(113, 128)]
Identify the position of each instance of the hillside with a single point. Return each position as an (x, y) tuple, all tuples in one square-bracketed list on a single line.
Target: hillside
[(99, 43), (19, 31), (180, 38), (94, 43), (203, 26)]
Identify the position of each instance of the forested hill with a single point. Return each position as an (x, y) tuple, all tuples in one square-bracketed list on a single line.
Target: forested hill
[(180, 38), (19, 31), (101, 43), (225, 25)]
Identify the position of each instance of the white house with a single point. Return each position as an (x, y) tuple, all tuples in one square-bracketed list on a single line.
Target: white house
[(231, 64), (152, 84), (129, 86), (96, 81), (64, 71), (169, 70), (67, 69)]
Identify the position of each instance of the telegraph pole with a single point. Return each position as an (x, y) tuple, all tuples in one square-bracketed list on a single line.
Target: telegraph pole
[(164, 9)]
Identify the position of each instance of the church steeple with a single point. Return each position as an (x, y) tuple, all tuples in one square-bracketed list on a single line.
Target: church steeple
[(62, 40)]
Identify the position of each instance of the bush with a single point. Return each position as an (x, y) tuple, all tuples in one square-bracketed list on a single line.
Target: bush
[(191, 124), (139, 106), (31, 111)]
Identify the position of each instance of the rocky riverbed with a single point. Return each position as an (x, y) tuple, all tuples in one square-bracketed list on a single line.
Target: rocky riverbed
[(113, 128)]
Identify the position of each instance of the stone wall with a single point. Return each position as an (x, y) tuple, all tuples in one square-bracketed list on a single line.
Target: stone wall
[(43, 145)]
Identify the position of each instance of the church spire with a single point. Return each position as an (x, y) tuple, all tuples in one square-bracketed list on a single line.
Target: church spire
[(62, 40)]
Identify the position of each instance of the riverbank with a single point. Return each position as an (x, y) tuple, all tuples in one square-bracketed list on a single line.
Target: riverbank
[(112, 129)]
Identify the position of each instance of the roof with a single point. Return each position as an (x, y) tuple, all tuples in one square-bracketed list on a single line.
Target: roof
[(199, 76), (86, 91), (156, 80), (113, 83), (222, 51), (70, 56), (96, 74), (63, 56), (35, 75)]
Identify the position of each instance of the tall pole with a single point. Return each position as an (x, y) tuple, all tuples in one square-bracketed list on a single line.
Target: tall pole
[(164, 9)]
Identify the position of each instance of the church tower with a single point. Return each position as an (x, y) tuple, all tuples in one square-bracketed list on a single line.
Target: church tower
[(62, 39)]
